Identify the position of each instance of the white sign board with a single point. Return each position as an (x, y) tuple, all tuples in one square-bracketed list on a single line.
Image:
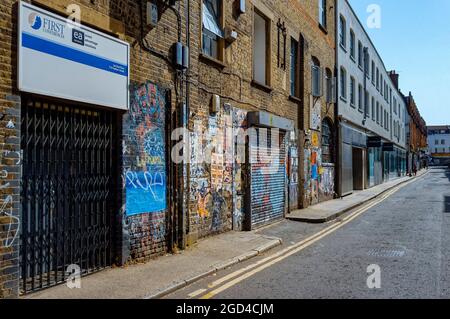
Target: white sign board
[(60, 58)]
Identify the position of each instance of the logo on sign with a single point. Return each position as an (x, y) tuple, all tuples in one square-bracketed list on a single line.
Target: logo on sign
[(77, 37), (35, 21)]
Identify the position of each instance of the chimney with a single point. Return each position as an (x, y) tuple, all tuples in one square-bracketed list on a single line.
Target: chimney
[(394, 77)]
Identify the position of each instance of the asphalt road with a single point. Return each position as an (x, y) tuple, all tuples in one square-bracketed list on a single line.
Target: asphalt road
[(406, 237)]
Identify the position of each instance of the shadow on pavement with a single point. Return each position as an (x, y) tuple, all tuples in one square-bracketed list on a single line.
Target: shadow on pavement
[(446, 204)]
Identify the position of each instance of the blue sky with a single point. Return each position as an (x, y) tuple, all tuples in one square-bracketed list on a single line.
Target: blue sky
[(414, 39)]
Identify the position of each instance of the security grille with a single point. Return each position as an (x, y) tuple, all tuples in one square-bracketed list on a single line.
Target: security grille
[(268, 176), (67, 195)]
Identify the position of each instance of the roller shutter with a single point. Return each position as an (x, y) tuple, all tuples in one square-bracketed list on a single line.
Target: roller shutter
[(267, 177)]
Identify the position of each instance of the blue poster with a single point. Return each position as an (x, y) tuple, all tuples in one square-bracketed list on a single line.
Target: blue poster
[(145, 149), (315, 172), (146, 192)]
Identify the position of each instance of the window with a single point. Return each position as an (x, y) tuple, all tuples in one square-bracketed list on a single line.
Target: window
[(395, 106), (352, 44), (316, 78), (352, 91), (373, 108), (342, 32), (327, 141), (261, 49), (212, 33), (360, 54), (366, 102), (343, 83), (381, 115), (381, 84), (295, 74), (373, 72), (386, 120), (378, 78), (378, 112), (330, 86), (443, 142), (360, 97), (436, 142), (366, 62), (323, 13)]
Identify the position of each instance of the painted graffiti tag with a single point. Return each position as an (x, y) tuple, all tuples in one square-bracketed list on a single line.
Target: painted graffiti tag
[(145, 178), (13, 220)]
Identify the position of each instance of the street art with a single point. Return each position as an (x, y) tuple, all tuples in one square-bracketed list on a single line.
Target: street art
[(12, 230), (211, 171), (316, 118), (145, 176), (239, 119), (293, 177), (11, 234), (327, 182)]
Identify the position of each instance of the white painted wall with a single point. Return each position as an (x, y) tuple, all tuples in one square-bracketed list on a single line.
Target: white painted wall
[(353, 114)]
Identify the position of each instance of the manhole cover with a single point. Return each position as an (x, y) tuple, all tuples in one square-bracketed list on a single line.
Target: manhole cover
[(387, 253)]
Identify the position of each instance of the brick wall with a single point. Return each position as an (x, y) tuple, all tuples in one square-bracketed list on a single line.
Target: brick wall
[(10, 153)]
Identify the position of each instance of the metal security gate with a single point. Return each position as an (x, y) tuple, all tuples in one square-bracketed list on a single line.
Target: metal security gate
[(267, 176), (67, 195)]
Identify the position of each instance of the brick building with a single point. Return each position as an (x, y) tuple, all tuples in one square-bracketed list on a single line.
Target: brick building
[(416, 133), (94, 185)]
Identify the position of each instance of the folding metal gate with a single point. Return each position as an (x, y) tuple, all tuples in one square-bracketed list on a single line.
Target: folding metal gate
[(68, 191), (268, 176)]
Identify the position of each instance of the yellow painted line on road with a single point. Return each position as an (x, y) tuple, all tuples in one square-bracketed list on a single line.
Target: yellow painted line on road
[(197, 293), (293, 249)]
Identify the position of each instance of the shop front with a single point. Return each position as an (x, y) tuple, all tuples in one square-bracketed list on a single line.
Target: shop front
[(353, 160), (268, 176), (375, 167), (73, 96)]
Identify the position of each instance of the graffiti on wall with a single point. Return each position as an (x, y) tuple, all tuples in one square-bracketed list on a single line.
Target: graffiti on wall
[(10, 221), (293, 177), (319, 177), (239, 127), (316, 114), (327, 182), (145, 178), (211, 171)]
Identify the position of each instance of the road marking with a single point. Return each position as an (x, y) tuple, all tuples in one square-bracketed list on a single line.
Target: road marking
[(196, 293), (293, 249)]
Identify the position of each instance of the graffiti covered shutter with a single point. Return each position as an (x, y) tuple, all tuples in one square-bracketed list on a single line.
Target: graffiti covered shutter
[(268, 176)]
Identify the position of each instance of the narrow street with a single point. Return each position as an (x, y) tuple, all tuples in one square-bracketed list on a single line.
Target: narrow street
[(405, 235)]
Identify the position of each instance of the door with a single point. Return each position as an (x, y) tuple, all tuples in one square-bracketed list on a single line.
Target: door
[(267, 152), (358, 168), (68, 191)]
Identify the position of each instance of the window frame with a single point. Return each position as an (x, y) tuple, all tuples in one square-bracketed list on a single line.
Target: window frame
[(220, 41), (343, 32), (352, 91), (323, 21), (343, 86), (352, 45), (296, 72), (268, 60)]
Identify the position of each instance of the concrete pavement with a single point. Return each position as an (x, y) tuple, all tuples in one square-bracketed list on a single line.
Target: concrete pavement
[(329, 210), (167, 273)]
